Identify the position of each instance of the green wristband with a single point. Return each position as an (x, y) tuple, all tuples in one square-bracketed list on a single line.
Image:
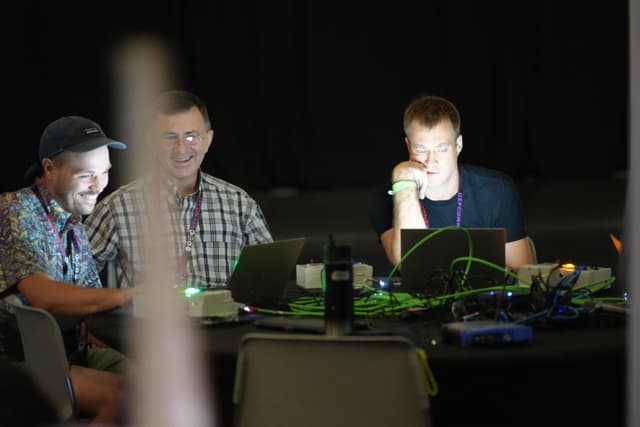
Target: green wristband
[(400, 185)]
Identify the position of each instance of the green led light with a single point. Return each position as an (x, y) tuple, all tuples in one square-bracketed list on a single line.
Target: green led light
[(189, 292), (235, 263)]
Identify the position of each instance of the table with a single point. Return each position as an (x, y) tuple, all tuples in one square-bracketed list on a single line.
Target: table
[(569, 375)]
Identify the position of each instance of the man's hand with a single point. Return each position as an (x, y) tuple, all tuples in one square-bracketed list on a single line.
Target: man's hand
[(412, 170)]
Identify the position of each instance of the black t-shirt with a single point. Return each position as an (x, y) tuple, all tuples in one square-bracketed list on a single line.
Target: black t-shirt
[(489, 199)]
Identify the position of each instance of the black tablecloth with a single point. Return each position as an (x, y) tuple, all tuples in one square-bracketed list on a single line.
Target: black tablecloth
[(568, 375)]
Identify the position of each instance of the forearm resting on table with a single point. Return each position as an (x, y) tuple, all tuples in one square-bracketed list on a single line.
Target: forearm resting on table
[(70, 300)]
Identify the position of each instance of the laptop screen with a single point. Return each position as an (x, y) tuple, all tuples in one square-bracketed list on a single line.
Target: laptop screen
[(428, 269), (261, 272)]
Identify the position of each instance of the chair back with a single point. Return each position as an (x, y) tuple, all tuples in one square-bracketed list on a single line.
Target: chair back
[(317, 380), (534, 252), (45, 358)]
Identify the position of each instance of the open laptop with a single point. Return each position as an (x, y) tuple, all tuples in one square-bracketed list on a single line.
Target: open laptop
[(261, 272), (427, 269)]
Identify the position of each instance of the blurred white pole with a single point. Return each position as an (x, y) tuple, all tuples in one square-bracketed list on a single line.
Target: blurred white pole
[(632, 215), (170, 388)]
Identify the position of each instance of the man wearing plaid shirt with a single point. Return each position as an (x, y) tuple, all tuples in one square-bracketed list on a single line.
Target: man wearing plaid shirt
[(210, 219)]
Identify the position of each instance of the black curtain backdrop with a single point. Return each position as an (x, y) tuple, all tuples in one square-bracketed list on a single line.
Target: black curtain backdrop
[(309, 95)]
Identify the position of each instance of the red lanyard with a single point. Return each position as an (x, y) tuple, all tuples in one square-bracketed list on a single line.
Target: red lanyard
[(458, 211), (458, 206), (54, 229), (181, 268)]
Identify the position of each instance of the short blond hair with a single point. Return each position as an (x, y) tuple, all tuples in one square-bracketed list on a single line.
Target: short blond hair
[(429, 110)]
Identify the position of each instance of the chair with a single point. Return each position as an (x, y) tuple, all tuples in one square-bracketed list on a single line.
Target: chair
[(45, 358), (532, 247), (317, 380), (109, 276)]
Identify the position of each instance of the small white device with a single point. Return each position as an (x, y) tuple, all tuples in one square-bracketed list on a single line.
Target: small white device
[(362, 275), (212, 303), (309, 276), (552, 273), (196, 303)]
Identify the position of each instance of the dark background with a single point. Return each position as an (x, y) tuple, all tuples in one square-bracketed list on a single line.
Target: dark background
[(306, 99)]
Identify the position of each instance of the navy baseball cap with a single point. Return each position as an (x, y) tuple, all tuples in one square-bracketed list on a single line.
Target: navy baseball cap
[(74, 133), (70, 133)]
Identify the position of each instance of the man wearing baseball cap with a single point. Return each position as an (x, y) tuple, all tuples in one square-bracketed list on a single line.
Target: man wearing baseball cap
[(70, 133), (46, 262)]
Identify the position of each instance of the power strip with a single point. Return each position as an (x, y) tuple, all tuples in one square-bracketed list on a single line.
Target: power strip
[(552, 273)]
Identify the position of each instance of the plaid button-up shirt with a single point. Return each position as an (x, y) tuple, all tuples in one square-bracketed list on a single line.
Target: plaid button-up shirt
[(229, 219)]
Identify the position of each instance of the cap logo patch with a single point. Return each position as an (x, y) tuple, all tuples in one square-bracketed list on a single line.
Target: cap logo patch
[(89, 131)]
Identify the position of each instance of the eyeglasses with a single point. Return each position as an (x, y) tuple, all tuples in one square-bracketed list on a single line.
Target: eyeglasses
[(438, 149), (189, 139)]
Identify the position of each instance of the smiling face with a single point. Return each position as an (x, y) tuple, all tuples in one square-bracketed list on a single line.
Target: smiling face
[(76, 179), (182, 140)]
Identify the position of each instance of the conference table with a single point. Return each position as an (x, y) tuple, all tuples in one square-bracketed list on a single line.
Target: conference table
[(570, 374)]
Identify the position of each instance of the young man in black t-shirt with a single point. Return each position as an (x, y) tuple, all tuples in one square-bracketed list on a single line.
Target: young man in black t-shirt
[(432, 190)]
